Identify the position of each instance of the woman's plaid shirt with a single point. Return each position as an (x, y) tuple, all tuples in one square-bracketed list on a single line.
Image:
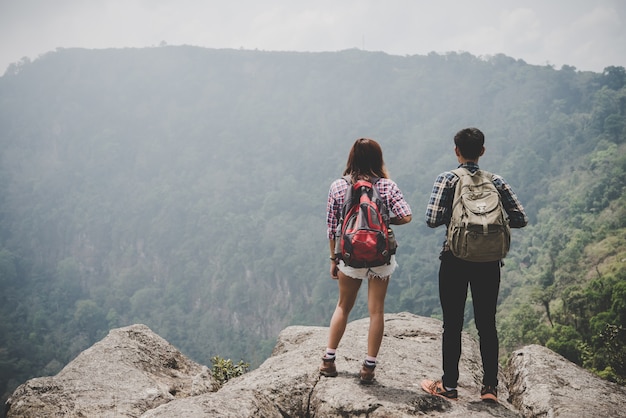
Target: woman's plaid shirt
[(388, 189), (439, 207)]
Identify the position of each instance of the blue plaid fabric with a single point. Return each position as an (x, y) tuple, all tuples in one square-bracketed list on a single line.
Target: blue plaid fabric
[(388, 189), (439, 207)]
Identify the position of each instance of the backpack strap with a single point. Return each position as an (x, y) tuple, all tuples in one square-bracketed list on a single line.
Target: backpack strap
[(372, 180), (463, 171), (344, 207), (348, 196)]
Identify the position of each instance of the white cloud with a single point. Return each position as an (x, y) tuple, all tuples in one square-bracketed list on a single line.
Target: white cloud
[(588, 35), (522, 26), (594, 39)]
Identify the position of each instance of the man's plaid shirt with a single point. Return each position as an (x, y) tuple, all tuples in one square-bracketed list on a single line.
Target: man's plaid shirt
[(439, 207), (388, 189)]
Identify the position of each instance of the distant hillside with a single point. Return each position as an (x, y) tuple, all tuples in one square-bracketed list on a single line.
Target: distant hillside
[(185, 188)]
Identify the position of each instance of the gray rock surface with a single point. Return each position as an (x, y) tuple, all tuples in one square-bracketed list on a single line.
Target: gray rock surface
[(130, 374), (132, 370), (544, 384)]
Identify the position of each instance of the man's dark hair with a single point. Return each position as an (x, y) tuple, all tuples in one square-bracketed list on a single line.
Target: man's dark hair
[(470, 142)]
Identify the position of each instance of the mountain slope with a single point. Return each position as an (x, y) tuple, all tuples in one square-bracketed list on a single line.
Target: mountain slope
[(185, 188)]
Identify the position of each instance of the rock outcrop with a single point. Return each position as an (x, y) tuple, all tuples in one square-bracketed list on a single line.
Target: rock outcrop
[(129, 372), (544, 384), (135, 373)]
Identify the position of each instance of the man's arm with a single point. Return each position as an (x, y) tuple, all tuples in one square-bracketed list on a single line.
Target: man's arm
[(440, 201), (511, 204)]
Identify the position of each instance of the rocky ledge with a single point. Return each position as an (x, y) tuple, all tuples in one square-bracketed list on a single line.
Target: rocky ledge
[(135, 373)]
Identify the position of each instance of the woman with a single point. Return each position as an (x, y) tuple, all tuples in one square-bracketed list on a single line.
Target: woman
[(365, 161)]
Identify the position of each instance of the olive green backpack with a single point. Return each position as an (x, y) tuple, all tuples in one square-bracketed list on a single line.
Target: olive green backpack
[(479, 226)]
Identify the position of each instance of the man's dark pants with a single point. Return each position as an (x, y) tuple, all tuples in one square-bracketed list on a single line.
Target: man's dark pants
[(484, 281)]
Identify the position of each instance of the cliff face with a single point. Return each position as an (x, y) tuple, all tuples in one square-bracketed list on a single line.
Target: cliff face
[(135, 373)]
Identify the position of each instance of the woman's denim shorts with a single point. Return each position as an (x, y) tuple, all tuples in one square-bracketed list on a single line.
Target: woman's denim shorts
[(380, 272)]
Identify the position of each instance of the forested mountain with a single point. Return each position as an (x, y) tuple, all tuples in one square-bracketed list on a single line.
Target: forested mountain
[(185, 188)]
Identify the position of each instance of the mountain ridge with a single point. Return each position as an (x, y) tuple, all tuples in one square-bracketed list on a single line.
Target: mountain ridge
[(185, 188)]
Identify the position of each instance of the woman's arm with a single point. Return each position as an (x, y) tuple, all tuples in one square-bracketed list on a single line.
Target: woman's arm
[(396, 220), (333, 260)]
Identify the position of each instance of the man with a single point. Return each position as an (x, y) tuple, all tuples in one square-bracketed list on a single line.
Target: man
[(455, 275)]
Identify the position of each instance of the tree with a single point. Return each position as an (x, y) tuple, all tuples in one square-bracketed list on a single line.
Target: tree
[(613, 340), (566, 341), (89, 318), (614, 77)]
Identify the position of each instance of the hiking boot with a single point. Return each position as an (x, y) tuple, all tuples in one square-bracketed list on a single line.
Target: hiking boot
[(489, 394), (328, 368), (367, 374), (436, 388)]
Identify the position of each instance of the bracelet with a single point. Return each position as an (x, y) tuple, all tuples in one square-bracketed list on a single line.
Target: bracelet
[(333, 258)]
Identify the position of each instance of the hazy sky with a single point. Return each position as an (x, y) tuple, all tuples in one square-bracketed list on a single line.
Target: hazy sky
[(587, 34)]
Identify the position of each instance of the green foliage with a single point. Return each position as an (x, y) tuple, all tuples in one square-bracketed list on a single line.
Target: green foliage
[(613, 340), (614, 77), (582, 292), (224, 370), (565, 340), (184, 188)]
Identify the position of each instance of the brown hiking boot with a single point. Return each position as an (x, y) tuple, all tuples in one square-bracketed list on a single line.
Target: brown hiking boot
[(436, 388), (489, 394), (328, 368), (367, 374)]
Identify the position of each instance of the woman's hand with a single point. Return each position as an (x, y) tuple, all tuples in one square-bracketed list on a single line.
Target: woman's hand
[(333, 269), (333, 260)]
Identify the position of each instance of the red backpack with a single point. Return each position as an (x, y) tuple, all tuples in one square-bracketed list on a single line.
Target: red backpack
[(363, 237)]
